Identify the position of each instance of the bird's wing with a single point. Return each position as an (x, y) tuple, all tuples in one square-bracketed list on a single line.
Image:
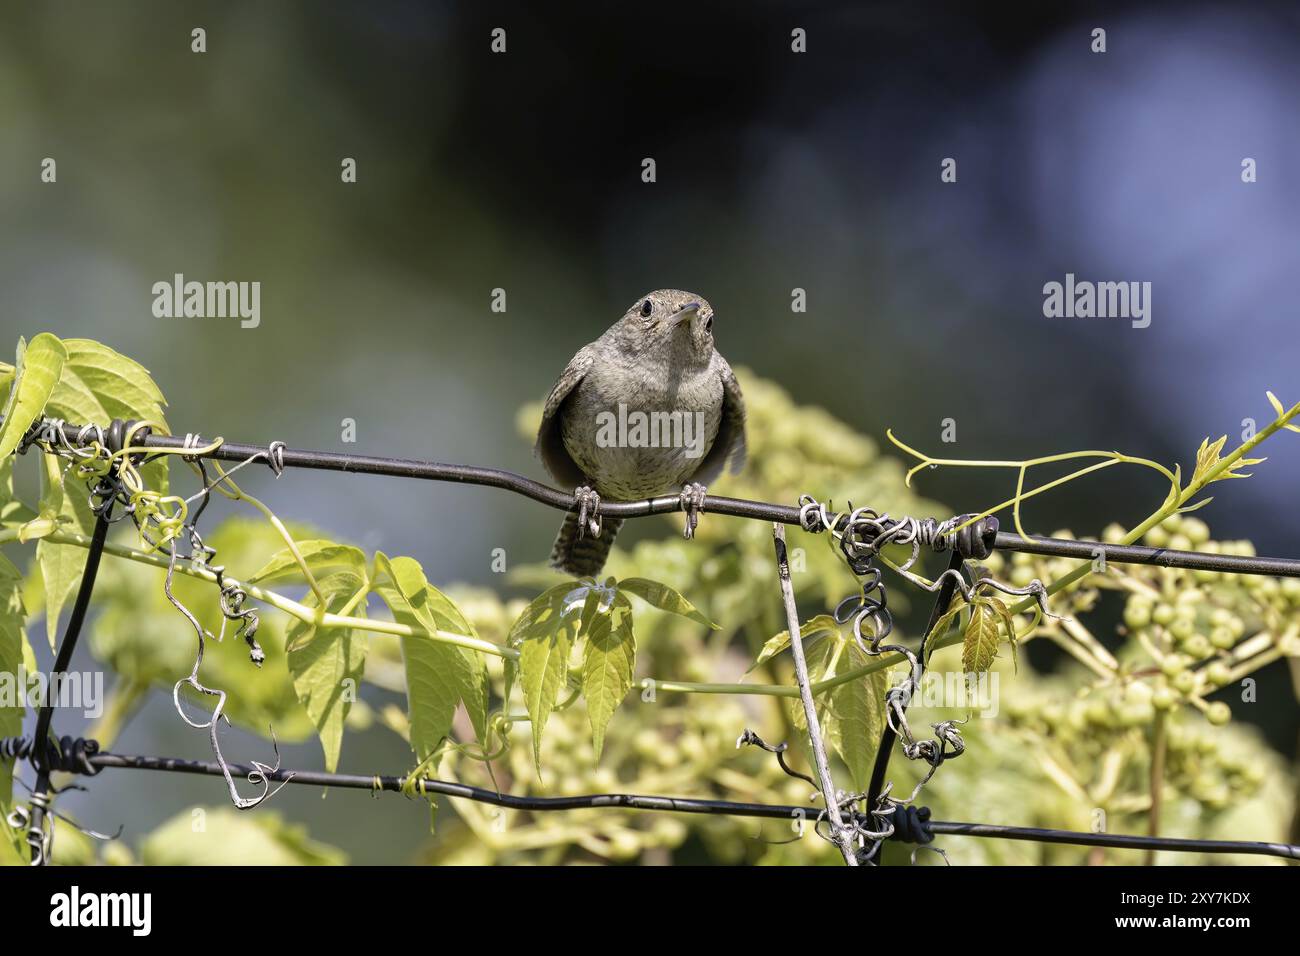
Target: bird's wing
[(550, 437), (730, 441)]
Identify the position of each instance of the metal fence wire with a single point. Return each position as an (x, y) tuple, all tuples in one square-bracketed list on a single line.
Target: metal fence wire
[(857, 823)]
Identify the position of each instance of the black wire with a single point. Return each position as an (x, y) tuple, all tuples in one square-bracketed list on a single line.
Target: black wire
[(736, 507), (887, 736), (633, 801), (497, 478), (61, 661)]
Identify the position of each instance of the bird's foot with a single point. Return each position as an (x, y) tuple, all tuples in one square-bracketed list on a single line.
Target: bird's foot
[(588, 502), (693, 504)]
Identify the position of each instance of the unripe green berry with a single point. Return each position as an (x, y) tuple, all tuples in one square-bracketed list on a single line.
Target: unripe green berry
[(1163, 614), (1222, 638), (1184, 682), (1218, 673), (1218, 713), (1196, 530), (1157, 537), (1137, 615), (1021, 576), (1173, 664), (1137, 714), (1197, 646)]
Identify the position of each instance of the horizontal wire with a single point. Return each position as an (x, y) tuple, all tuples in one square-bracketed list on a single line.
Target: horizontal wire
[(714, 504), (632, 801)]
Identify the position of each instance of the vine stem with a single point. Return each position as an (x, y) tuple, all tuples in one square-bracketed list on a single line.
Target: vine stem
[(391, 628), (1174, 504), (838, 834), (1158, 747)]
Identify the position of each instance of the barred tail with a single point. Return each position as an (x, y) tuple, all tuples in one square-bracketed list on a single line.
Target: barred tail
[(583, 556)]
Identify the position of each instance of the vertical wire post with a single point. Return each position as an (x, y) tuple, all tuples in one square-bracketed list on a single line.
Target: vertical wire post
[(887, 736)]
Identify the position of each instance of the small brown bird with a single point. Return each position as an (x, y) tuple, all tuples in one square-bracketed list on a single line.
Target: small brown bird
[(648, 407)]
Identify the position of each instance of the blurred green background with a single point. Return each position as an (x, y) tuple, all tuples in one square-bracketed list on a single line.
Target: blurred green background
[(775, 170)]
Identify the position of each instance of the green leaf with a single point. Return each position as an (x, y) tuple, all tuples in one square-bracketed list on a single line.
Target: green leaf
[(942, 625), (36, 372), (11, 663), (816, 628), (438, 675), (1009, 624), (228, 837), (823, 662), (320, 556), (858, 708), (607, 667), (98, 385), (980, 641), (664, 598), (61, 564), (327, 663), (545, 634), (13, 513), (1207, 458)]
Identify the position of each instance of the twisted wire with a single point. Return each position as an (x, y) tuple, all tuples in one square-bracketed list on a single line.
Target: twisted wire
[(66, 754), (109, 462)]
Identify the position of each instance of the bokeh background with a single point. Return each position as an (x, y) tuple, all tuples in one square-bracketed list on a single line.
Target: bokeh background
[(775, 170)]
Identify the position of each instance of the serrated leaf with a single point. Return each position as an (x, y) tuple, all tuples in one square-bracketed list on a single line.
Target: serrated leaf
[(99, 384), (322, 662), (321, 557), (438, 675), (96, 385), (607, 667), (980, 641), (36, 373), (1008, 622), (665, 598), (942, 625), (811, 631), (859, 711), (545, 633), (11, 662)]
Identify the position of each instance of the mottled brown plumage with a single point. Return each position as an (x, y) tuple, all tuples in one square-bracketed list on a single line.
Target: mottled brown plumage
[(658, 359)]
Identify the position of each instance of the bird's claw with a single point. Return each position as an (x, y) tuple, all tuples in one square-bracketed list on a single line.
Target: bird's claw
[(693, 504), (588, 502)]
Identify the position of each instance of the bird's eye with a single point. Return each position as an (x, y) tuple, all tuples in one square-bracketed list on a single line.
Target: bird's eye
[(646, 308), (708, 325)]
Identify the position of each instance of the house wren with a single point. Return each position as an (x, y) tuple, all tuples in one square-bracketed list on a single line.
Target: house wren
[(648, 407)]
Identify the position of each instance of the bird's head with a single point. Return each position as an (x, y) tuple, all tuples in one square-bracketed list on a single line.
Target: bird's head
[(680, 323)]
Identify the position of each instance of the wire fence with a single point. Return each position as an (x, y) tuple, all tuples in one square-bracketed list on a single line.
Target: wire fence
[(861, 534)]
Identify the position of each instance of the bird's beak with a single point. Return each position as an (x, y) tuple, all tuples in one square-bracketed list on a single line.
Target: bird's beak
[(685, 313)]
